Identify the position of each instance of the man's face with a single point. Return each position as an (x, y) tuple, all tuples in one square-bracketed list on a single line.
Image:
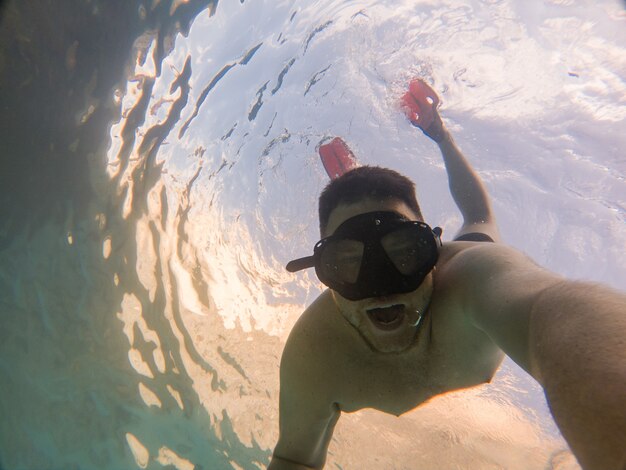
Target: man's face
[(386, 323)]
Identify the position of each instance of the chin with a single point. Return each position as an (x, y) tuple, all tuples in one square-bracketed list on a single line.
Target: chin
[(390, 340), (387, 324)]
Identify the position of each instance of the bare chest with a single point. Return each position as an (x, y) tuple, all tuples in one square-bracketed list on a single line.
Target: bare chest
[(398, 383), (393, 387)]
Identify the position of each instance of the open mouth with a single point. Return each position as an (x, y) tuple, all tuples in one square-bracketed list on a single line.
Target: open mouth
[(387, 317)]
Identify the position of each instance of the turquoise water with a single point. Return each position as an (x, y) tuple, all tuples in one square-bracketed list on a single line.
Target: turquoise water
[(148, 213)]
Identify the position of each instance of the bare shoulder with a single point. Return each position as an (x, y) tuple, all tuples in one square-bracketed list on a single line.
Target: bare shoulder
[(496, 287), (309, 357), (469, 262), (491, 280), (487, 275), (317, 327)]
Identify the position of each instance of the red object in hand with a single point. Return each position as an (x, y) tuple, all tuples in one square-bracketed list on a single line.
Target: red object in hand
[(419, 103), (337, 158)]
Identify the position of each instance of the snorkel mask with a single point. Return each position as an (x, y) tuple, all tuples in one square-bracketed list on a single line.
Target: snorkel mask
[(373, 255)]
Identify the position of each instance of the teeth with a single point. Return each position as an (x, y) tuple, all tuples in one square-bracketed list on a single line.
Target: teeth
[(387, 305)]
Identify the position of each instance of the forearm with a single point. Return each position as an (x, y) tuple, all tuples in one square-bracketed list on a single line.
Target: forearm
[(570, 336), (466, 187), (310, 446), (577, 349)]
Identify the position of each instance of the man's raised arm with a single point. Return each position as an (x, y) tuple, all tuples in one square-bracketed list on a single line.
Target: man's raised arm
[(569, 335), (420, 104)]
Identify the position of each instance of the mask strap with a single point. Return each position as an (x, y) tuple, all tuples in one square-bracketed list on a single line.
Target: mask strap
[(300, 263), (438, 231)]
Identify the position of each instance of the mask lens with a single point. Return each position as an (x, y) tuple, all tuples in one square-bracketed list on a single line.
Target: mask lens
[(341, 260), (406, 249)]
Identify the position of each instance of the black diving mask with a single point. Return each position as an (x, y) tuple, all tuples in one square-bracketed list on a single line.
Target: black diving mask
[(373, 255)]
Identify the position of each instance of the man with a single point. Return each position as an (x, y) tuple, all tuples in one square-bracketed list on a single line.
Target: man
[(407, 318)]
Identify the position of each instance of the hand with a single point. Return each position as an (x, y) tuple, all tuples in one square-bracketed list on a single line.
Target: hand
[(420, 107)]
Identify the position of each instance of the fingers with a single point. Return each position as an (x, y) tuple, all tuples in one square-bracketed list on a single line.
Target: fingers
[(411, 107), (423, 90), (420, 104), (418, 110)]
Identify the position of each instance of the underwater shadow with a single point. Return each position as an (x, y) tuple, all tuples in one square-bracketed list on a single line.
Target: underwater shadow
[(95, 362)]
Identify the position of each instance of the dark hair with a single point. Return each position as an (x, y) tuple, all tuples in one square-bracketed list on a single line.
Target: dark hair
[(366, 182)]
